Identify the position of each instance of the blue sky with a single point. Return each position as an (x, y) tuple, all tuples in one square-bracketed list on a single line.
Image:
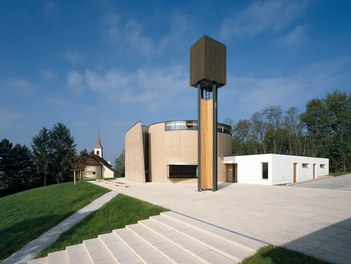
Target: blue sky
[(101, 66)]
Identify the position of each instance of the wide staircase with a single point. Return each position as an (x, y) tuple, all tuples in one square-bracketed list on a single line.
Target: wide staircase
[(166, 238)]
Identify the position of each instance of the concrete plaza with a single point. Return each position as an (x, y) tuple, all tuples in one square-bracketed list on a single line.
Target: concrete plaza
[(311, 219)]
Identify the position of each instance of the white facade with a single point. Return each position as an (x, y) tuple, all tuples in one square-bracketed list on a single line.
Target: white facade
[(282, 169)]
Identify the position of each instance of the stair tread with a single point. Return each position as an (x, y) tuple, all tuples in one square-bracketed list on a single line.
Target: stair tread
[(233, 251), (98, 252), (250, 243), (162, 245), (43, 260), (119, 250), (197, 250), (144, 251), (78, 254), (58, 257)]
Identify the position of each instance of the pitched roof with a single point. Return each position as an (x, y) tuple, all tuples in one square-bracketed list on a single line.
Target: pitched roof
[(95, 160), (98, 142)]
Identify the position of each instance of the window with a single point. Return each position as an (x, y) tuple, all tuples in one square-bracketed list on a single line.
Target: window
[(305, 165), (182, 171), (323, 166), (264, 170), (192, 125)]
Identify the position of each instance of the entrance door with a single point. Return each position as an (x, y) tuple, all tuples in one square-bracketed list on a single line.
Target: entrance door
[(229, 172), (314, 171), (294, 172), (232, 172)]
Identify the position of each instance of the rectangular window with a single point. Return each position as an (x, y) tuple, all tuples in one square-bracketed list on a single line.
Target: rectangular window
[(182, 171), (323, 166), (264, 170), (305, 165)]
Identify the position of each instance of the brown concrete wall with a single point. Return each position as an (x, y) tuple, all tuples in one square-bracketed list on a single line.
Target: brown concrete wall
[(134, 154), (170, 147), (180, 147)]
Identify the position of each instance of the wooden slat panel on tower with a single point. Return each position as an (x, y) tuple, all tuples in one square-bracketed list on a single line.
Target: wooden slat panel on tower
[(206, 144)]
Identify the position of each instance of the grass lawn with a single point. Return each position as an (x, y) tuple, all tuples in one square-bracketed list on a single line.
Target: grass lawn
[(26, 215), (122, 210), (280, 255)]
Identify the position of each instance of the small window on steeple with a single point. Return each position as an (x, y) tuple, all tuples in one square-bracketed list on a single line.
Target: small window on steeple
[(97, 153)]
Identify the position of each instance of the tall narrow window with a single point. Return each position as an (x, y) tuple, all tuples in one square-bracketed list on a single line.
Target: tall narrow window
[(264, 170)]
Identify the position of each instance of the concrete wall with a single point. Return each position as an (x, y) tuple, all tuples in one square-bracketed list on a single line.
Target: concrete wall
[(170, 147), (280, 168), (134, 154), (167, 148), (107, 173), (92, 172)]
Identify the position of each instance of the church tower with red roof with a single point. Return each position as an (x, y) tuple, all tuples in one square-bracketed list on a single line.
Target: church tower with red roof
[(98, 147)]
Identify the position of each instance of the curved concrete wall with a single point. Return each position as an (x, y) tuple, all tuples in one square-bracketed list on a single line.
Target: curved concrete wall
[(180, 147)]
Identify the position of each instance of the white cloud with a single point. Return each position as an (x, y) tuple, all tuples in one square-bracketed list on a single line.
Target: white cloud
[(129, 33), (72, 57), (314, 81), (75, 81), (50, 9), (295, 37), (47, 74), (262, 16), (20, 85), (8, 118), (152, 87)]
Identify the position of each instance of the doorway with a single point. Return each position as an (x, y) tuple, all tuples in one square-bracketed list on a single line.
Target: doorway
[(294, 172), (232, 173), (314, 171)]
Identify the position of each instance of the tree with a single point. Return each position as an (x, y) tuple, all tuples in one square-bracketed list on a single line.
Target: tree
[(5, 159), (338, 108), (120, 165), (42, 153), (21, 169), (63, 152), (54, 154), (16, 168)]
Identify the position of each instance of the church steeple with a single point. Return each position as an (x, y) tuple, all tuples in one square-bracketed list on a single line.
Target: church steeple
[(98, 147)]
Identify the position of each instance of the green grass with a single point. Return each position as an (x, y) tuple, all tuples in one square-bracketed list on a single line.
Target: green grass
[(122, 210), (335, 174), (26, 215), (280, 255)]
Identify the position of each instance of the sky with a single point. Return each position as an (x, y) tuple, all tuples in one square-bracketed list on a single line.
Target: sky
[(100, 66)]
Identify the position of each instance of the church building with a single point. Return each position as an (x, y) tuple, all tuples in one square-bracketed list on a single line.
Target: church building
[(96, 166)]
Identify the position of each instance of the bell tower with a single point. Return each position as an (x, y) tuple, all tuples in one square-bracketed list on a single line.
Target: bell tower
[(207, 74), (98, 147)]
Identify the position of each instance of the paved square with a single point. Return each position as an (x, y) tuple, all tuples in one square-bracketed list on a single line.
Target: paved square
[(316, 221)]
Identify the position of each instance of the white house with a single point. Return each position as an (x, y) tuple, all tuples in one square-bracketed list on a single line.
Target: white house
[(271, 169), (96, 167)]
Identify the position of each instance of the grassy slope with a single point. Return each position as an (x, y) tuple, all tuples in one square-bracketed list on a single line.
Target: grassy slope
[(26, 215), (279, 255), (119, 212)]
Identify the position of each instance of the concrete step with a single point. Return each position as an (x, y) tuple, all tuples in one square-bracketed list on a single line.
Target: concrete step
[(143, 251), (121, 253), (233, 251), (248, 243), (43, 260), (98, 251), (162, 246), (58, 257), (197, 250), (78, 254), (167, 238)]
